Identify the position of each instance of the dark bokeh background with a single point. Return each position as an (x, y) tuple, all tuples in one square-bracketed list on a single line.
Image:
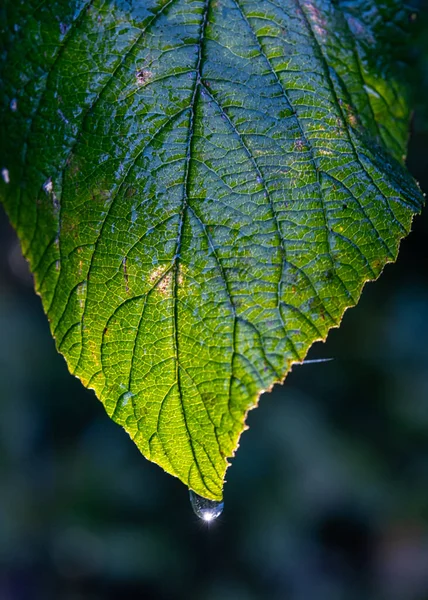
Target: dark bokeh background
[(327, 498)]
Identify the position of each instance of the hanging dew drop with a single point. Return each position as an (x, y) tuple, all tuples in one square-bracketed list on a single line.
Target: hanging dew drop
[(207, 510)]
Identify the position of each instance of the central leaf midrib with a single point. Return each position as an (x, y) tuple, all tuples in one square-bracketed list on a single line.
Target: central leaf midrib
[(176, 258)]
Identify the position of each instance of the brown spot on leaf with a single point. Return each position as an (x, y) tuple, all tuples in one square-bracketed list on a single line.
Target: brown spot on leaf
[(130, 191), (125, 274)]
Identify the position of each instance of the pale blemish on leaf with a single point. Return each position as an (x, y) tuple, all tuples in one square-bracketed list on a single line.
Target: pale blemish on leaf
[(300, 145), (143, 77), (317, 19), (161, 279)]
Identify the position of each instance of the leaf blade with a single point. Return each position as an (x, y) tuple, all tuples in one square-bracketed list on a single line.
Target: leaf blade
[(208, 187)]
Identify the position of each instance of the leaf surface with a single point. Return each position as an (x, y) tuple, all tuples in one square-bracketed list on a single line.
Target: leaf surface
[(201, 187)]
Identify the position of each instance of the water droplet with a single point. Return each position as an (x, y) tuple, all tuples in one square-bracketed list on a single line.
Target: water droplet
[(371, 91), (126, 398), (207, 510), (5, 175), (62, 116), (48, 186)]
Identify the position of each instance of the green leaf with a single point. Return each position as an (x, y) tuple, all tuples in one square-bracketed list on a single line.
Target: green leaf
[(201, 189)]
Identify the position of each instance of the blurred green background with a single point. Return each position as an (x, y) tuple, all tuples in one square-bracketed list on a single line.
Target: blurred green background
[(327, 498)]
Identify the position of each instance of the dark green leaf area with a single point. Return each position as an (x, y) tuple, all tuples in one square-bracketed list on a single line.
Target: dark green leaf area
[(201, 188)]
